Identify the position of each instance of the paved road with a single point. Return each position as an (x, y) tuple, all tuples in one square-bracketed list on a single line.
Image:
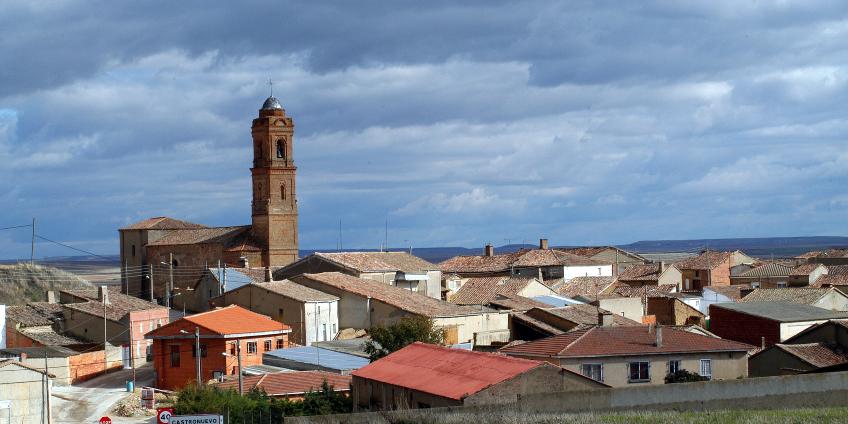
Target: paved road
[(88, 401)]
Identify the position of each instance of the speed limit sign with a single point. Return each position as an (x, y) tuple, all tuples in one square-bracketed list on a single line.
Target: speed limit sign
[(163, 415)]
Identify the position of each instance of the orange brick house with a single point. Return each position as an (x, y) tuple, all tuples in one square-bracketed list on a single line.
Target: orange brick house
[(225, 333), (710, 268)]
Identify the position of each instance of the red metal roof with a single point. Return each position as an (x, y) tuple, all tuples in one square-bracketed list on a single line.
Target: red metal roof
[(230, 320), (445, 372)]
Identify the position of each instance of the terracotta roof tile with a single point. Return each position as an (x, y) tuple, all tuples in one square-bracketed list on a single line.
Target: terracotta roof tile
[(227, 321), (768, 270), (34, 314), (706, 260), (585, 315), (516, 303), (837, 270), (548, 257), (621, 341), (162, 223), (402, 299), (482, 290), (222, 235), (816, 354), (804, 269), (49, 337), (445, 372), (479, 264), (623, 290), (380, 261), (641, 272), (118, 307), (585, 286), (831, 280), (803, 295), (290, 383), (296, 291)]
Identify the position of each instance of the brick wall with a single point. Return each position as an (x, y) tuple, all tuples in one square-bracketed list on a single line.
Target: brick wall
[(743, 328)]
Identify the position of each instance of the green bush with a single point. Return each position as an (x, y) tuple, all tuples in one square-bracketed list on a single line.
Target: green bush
[(385, 340), (683, 376), (257, 406)]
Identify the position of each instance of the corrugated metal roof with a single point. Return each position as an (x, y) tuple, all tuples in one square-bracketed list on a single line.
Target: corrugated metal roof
[(445, 372), (557, 301), (324, 358), (782, 311)]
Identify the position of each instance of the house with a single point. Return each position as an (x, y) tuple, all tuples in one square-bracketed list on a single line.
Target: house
[(539, 323), (825, 298), (827, 257), (428, 376), (313, 315), (68, 366), (39, 324), (364, 303), (622, 356), (126, 320), (289, 385), (765, 323), (667, 310), (767, 275), (483, 290), (543, 263), (224, 334), (314, 358), (25, 392), (651, 274), (213, 282), (398, 269), (621, 259), (818, 347), (806, 274), (710, 268)]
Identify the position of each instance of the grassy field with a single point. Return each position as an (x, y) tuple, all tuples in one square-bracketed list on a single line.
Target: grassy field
[(779, 416)]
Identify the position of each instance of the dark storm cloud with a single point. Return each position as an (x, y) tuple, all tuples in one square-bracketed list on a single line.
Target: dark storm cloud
[(587, 122)]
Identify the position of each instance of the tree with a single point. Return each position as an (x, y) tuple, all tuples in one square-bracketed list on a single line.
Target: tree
[(385, 340), (683, 376)]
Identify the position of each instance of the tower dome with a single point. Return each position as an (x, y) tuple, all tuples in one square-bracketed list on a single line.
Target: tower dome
[(272, 103)]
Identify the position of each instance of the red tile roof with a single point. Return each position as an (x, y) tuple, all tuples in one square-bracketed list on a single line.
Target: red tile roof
[(445, 372), (623, 341), (482, 290), (548, 257), (379, 261), (830, 280), (586, 286), (479, 264), (290, 383), (231, 320), (222, 235), (641, 272), (523, 258), (816, 354), (706, 260), (162, 223), (804, 269)]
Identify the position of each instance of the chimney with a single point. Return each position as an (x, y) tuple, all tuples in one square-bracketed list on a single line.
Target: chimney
[(23, 356), (662, 266), (604, 318), (51, 296), (268, 276), (489, 250), (762, 342), (103, 295), (659, 336), (543, 243), (243, 262)]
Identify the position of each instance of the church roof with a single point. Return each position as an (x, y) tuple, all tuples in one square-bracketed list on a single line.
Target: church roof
[(271, 103), (162, 223), (223, 235)]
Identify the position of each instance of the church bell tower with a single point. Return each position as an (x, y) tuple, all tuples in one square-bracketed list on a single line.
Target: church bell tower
[(274, 202)]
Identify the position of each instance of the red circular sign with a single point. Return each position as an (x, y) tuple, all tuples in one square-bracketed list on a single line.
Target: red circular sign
[(105, 420)]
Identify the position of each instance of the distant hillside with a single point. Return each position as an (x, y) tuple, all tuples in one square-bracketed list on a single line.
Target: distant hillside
[(762, 247), (22, 283)]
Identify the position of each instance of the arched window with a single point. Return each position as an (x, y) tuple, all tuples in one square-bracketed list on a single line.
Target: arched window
[(283, 191), (281, 148), (175, 263)]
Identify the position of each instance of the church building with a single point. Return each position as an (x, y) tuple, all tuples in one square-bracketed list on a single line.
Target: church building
[(162, 255)]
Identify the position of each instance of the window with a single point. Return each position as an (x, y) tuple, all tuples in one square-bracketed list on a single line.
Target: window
[(267, 346), (599, 270), (280, 314), (175, 263), (175, 356), (232, 348), (697, 273), (202, 351), (334, 330), (639, 372), (281, 149), (706, 368), (325, 330), (280, 343), (755, 285), (133, 250), (781, 284), (593, 371), (673, 366), (149, 353), (251, 348)]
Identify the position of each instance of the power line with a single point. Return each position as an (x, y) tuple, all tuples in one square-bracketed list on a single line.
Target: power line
[(16, 226), (71, 247)]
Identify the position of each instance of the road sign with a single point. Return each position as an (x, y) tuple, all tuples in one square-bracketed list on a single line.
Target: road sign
[(197, 419), (105, 420), (163, 415)]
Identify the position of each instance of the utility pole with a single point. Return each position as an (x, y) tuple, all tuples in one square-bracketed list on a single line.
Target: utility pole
[(105, 353), (32, 245), (171, 284), (238, 358), (197, 356), (132, 354), (126, 277), (47, 385), (150, 282)]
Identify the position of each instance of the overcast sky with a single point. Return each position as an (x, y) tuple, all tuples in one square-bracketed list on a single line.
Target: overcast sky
[(585, 122)]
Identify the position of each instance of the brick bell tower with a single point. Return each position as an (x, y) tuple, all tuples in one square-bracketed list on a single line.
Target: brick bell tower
[(274, 203)]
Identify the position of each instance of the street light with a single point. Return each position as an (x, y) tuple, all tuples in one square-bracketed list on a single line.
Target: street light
[(238, 359), (196, 352)]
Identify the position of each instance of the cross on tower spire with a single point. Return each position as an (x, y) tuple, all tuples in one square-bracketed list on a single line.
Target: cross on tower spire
[(271, 86)]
